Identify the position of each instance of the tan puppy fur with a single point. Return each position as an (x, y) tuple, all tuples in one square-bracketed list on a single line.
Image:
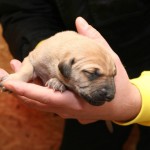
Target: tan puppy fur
[(72, 61)]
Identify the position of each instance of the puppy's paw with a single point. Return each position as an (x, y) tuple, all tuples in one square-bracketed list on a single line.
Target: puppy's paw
[(3, 88), (56, 85), (13, 76)]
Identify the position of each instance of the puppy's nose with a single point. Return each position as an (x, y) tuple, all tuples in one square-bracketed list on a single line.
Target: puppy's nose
[(107, 94)]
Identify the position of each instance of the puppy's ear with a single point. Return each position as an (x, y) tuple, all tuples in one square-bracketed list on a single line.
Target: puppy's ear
[(65, 67)]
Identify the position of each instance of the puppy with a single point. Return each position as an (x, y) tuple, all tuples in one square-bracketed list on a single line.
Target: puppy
[(71, 61)]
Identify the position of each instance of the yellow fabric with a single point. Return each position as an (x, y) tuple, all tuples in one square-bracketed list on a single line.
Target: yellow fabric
[(143, 84), (39, 43)]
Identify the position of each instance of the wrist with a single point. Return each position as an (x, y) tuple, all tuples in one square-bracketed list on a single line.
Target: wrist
[(142, 83), (127, 101), (132, 106)]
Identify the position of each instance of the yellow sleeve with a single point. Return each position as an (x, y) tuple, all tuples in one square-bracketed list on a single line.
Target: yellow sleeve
[(143, 84)]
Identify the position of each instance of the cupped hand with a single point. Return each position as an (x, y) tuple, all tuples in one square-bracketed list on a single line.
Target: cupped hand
[(125, 106)]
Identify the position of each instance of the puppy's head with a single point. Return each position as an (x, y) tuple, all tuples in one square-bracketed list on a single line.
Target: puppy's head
[(90, 74)]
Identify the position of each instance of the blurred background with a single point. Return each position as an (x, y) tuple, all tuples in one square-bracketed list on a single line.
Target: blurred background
[(22, 128)]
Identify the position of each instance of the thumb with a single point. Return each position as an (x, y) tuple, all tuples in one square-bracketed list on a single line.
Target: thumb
[(87, 30)]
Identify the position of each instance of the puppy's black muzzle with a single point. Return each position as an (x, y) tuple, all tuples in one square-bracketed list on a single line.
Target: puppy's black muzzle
[(100, 96)]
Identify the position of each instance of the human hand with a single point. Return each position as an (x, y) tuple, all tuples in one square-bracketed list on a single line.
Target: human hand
[(125, 105)]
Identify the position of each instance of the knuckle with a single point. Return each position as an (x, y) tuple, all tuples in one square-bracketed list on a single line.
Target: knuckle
[(65, 116), (82, 121)]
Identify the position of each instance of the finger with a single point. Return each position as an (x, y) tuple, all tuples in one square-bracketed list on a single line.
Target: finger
[(86, 121), (31, 103), (61, 111), (15, 65), (32, 91), (85, 29), (3, 73), (43, 94)]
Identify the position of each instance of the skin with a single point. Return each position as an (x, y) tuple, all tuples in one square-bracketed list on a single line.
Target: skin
[(124, 107)]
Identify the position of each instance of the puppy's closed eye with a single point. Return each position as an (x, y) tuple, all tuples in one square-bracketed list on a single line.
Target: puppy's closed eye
[(92, 74)]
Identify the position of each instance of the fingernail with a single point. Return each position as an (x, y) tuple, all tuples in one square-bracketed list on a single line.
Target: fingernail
[(83, 23)]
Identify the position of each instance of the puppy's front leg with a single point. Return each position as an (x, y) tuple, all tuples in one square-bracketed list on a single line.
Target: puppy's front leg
[(25, 74), (56, 85)]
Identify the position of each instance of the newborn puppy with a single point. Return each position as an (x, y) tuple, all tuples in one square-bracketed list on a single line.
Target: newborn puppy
[(72, 61)]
